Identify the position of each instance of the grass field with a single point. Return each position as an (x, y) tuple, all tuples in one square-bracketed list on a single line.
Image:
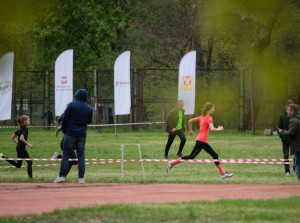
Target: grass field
[(271, 210), (228, 144)]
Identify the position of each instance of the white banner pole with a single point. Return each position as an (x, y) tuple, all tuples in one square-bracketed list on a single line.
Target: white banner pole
[(122, 148), (115, 125), (141, 160)]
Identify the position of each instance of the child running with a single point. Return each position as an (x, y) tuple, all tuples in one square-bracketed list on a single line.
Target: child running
[(22, 134), (206, 124)]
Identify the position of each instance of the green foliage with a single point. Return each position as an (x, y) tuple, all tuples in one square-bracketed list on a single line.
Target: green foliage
[(94, 29)]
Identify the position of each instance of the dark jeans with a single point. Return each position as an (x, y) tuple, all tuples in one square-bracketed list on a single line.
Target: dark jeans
[(22, 153), (197, 149), (171, 138), (69, 143), (285, 149), (72, 156), (296, 161)]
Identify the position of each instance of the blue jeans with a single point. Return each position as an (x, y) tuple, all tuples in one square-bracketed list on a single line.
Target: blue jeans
[(296, 161), (69, 143)]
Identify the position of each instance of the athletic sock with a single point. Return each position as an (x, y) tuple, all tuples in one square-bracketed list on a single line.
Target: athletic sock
[(176, 162), (220, 169)]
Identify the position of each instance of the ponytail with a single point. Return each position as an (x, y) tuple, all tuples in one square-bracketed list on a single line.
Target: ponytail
[(20, 120), (206, 108)]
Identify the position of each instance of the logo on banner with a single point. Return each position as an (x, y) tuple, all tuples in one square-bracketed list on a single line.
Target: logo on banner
[(5, 87), (64, 80), (120, 83), (186, 83)]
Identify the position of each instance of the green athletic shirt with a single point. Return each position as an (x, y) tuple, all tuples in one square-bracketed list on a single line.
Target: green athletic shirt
[(179, 124)]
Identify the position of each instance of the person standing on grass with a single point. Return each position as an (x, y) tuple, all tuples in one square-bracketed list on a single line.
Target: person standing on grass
[(283, 123), (22, 134), (76, 117), (56, 155), (294, 134), (206, 124), (48, 116), (175, 126)]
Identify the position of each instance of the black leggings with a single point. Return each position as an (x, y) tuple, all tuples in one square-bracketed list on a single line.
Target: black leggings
[(171, 138), (197, 149), (22, 153)]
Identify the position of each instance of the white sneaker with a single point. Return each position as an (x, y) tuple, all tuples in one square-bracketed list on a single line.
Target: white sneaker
[(81, 180), (59, 180), (227, 175), (288, 174), (55, 155), (169, 167)]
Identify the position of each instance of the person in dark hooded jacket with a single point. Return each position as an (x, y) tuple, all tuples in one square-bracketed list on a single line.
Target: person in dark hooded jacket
[(77, 116), (283, 123), (294, 134)]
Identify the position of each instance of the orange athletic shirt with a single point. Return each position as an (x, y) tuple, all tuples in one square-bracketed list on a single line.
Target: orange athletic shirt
[(204, 127)]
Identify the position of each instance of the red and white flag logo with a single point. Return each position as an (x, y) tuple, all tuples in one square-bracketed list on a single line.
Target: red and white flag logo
[(64, 80)]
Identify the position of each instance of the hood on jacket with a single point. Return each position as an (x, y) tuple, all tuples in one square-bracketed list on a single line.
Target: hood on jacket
[(297, 113), (81, 95)]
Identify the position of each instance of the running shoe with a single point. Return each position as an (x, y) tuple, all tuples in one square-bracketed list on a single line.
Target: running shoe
[(55, 155), (59, 180), (1, 155), (169, 167), (81, 180), (166, 157), (227, 175), (288, 174)]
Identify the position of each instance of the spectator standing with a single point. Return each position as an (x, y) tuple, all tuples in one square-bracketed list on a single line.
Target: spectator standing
[(48, 116), (283, 123), (76, 117), (294, 134)]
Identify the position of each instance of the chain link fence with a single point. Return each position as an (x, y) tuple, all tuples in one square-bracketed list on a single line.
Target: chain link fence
[(153, 94)]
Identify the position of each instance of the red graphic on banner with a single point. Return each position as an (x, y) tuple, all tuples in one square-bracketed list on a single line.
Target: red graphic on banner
[(187, 80), (64, 80)]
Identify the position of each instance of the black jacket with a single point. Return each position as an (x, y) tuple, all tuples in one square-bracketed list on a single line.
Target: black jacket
[(283, 123), (294, 133), (172, 119)]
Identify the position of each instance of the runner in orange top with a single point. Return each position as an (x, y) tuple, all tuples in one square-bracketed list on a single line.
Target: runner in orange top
[(206, 124)]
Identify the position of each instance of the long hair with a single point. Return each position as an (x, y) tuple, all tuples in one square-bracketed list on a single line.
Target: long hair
[(206, 108), (21, 120)]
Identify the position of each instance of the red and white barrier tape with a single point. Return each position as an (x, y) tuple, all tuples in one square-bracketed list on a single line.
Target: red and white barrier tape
[(253, 161), (98, 125), (46, 165)]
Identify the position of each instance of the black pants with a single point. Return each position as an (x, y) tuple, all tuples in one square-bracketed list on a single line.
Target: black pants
[(22, 153), (171, 138), (285, 150), (197, 149), (72, 156)]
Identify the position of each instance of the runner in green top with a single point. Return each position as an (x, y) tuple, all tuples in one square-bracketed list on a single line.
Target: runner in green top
[(175, 126)]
